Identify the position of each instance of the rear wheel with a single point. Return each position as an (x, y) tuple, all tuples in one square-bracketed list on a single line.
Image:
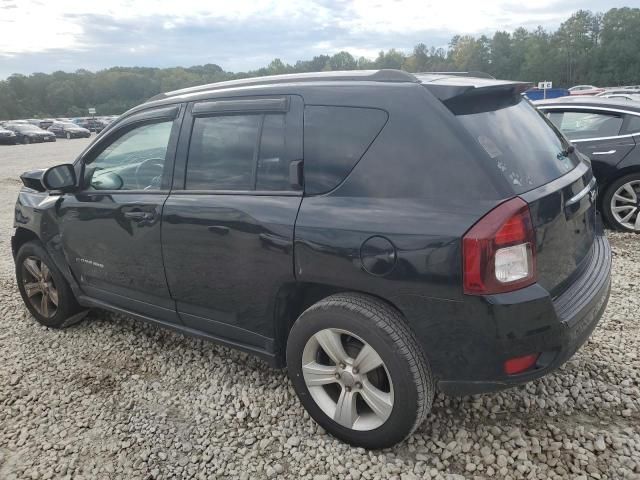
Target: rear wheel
[(621, 203), (26, 140), (44, 289), (359, 370), (68, 136)]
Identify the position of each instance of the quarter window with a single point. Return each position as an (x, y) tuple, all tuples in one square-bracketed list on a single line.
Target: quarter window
[(584, 125), (335, 138), (632, 125), (134, 161)]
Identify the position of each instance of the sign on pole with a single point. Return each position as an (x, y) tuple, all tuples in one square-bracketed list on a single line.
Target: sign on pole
[(92, 111), (544, 86)]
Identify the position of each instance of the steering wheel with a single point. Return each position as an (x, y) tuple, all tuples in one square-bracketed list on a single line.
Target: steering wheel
[(152, 164)]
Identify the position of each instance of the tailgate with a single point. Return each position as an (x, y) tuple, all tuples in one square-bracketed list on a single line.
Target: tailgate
[(564, 218)]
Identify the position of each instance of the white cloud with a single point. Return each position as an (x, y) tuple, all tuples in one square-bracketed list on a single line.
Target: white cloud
[(246, 34), (36, 25)]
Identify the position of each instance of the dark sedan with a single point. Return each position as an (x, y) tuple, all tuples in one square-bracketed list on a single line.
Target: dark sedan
[(27, 133), (90, 124), (607, 130), (7, 137), (69, 130)]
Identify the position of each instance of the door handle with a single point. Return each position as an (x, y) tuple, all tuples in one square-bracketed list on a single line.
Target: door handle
[(139, 215), (608, 152)]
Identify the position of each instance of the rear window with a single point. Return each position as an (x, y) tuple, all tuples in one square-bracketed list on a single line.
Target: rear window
[(335, 138), (521, 143)]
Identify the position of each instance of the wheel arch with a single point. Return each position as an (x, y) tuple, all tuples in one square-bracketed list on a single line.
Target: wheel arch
[(20, 237), (294, 298), (635, 168)]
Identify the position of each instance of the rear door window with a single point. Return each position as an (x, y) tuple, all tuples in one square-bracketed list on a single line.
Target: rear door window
[(519, 141), (335, 138), (241, 152), (223, 152), (577, 125)]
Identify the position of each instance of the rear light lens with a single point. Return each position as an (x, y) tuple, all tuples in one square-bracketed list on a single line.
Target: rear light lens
[(517, 365), (499, 251)]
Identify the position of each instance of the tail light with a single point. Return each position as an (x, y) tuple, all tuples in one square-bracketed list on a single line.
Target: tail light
[(499, 252)]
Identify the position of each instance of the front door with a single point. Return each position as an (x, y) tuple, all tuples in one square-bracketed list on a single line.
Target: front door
[(227, 227), (111, 226)]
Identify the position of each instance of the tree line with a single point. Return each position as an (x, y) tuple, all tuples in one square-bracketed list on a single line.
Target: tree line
[(593, 48)]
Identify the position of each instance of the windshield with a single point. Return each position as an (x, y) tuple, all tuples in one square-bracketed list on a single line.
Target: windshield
[(69, 125), (522, 144)]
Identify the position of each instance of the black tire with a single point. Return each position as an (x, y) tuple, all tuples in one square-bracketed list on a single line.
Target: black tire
[(67, 310), (606, 202), (384, 329), (68, 135), (26, 140)]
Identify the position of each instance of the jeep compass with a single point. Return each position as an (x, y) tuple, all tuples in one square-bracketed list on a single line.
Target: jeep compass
[(382, 235)]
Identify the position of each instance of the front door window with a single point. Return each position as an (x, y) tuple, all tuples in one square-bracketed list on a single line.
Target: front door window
[(134, 161)]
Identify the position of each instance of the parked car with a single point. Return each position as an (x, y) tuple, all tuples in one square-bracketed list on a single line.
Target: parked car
[(90, 124), (624, 96), (7, 137), (607, 130), (414, 233), (41, 123), (27, 133), (69, 130), (585, 90), (617, 91)]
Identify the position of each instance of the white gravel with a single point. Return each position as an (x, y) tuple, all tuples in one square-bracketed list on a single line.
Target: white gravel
[(116, 398)]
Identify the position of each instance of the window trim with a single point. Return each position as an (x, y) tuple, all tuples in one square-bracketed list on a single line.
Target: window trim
[(231, 106), (581, 108)]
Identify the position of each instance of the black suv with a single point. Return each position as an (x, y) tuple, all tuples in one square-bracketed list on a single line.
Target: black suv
[(381, 234)]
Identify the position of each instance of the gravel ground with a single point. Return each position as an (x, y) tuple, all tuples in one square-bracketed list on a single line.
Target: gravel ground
[(112, 397)]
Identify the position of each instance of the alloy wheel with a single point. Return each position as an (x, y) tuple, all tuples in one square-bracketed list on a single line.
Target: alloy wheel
[(347, 379), (39, 286), (625, 205)]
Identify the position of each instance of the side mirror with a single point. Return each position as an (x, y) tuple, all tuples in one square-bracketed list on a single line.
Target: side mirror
[(60, 178)]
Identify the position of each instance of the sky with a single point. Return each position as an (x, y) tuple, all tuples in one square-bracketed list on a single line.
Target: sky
[(45, 36)]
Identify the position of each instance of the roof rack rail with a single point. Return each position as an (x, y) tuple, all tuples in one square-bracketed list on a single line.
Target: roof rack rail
[(384, 75), (472, 73)]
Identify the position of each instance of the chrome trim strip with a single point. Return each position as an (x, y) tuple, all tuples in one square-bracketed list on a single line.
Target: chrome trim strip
[(587, 107), (579, 140), (581, 194)]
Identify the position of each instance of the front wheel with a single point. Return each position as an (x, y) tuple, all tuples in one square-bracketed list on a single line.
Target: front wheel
[(621, 203), (359, 370), (44, 289), (68, 136), (26, 140)]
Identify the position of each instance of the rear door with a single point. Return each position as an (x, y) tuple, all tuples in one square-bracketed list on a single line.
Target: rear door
[(227, 228)]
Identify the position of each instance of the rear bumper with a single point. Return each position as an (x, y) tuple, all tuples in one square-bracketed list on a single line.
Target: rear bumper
[(530, 321)]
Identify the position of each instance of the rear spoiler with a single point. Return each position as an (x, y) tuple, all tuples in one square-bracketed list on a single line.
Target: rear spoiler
[(451, 87), (463, 99)]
